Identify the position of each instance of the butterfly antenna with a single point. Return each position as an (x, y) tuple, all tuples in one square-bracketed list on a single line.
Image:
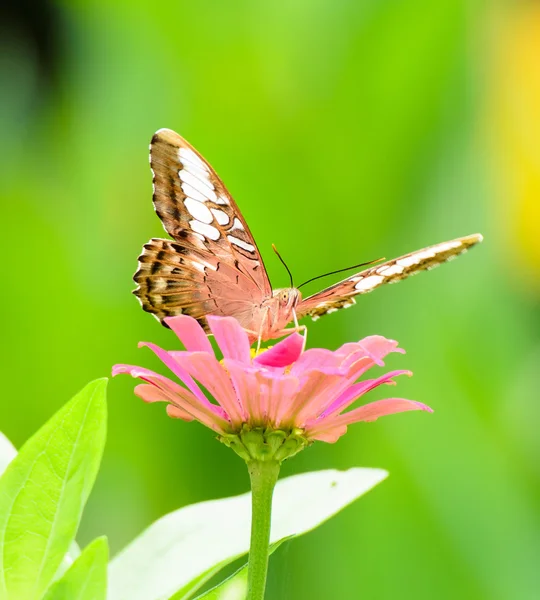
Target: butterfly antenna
[(284, 264), (371, 262)]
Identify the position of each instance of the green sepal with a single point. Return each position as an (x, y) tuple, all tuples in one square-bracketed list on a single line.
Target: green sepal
[(263, 444)]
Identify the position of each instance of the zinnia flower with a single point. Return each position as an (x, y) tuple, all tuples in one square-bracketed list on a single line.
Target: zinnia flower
[(278, 401)]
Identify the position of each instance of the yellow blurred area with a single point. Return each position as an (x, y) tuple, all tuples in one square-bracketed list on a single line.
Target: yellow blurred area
[(513, 123)]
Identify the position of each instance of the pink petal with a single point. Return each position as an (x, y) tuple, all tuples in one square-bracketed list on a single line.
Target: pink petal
[(381, 408), (319, 389), (356, 367), (232, 340), (149, 393), (173, 365), (190, 333), (377, 347), (277, 392), (177, 413), (245, 383), (121, 369), (354, 392), (349, 348), (283, 354), (139, 372), (213, 376), (315, 358), (369, 412), (329, 436), (214, 417), (264, 395), (148, 375), (208, 414), (316, 390), (374, 346)]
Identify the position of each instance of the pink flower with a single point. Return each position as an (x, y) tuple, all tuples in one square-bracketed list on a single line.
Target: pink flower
[(299, 394)]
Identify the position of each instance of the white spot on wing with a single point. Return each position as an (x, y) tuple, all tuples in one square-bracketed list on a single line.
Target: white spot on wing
[(160, 285), (445, 246), (414, 259), (201, 174), (208, 231), (205, 187), (390, 270), (331, 310), (237, 225), (193, 193), (240, 243), (221, 217), (153, 180), (221, 200), (186, 154), (368, 283), (198, 210), (428, 253)]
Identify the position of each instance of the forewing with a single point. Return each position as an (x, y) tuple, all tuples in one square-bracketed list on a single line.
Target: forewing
[(197, 210), (178, 278), (341, 295)]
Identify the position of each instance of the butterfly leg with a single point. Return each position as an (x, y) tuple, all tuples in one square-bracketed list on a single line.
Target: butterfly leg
[(296, 326), (261, 328), (299, 328)]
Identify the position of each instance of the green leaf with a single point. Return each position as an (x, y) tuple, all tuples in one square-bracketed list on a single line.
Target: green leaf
[(43, 492), (7, 452), (70, 557), (188, 590), (182, 550), (234, 587), (86, 579)]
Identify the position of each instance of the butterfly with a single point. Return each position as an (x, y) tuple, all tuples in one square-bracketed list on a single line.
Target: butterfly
[(212, 266)]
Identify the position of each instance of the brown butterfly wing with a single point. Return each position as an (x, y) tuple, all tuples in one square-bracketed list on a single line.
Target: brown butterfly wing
[(194, 205), (217, 266), (177, 278), (341, 295)]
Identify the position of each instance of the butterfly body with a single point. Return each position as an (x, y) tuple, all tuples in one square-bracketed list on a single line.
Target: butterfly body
[(213, 265), (278, 311)]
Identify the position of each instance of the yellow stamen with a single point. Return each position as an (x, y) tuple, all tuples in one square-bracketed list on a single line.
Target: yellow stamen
[(254, 352)]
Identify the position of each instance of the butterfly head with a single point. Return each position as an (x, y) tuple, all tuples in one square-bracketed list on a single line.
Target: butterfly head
[(288, 298)]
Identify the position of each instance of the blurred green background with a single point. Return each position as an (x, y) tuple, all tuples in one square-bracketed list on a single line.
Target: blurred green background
[(346, 130)]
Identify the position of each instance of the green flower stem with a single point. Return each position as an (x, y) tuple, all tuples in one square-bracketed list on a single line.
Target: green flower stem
[(264, 475)]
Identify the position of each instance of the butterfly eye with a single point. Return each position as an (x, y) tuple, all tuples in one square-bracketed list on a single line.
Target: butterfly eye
[(284, 296)]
